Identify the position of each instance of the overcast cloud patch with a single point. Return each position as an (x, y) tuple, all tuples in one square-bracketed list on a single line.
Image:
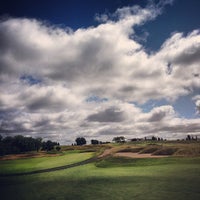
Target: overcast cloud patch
[(109, 115)]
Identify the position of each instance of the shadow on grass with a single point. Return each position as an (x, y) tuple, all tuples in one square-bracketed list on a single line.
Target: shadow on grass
[(120, 187)]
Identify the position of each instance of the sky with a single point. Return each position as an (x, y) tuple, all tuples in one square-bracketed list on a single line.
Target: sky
[(100, 69)]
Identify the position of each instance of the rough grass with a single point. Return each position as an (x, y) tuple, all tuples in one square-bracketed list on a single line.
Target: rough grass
[(165, 151), (150, 149), (130, 149), (175, 148)]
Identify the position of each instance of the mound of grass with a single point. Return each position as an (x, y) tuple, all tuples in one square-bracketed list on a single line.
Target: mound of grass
[(165, 151), (195, 151), (129, 149), (150, 149)]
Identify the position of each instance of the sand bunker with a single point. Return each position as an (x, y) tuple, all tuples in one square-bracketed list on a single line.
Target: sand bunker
[(137, 155)]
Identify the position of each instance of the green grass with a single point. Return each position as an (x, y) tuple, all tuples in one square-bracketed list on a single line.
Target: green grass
[(31, 164), (111, 179), (139, 162)]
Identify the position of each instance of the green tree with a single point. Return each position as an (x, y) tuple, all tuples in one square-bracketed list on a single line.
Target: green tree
[(188, 137), (80, 141), (38, 143), (95, 142), (153, 138)]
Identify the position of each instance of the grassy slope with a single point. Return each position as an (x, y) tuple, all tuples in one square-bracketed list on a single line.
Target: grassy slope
[(112, 179), (177, 148), (31, 164)]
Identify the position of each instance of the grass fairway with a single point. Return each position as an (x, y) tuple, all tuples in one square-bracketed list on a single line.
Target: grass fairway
[(31, 164), (111, 179)]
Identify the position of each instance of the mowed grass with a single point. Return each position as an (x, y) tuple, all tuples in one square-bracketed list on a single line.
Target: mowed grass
[(111, 179), (32, 164)]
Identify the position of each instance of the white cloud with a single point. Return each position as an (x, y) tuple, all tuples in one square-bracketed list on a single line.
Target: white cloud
[(68, 67), (198, 106), (159, 114), (197, 103)]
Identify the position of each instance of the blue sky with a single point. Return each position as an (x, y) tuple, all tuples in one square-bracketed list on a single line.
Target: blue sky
[(183, 16), (100, 68)]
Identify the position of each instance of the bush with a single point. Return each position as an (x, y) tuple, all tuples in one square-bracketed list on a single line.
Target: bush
[(58, 148)]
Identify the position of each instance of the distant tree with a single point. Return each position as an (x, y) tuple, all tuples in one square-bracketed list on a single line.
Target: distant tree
[(58, 148), (50, 145), (153, 138), (95, 142), (8, 140), (119, 139), (20, 144), (188, 137), (80, 141), (8, 145), (2, 149), (134, 139), (24, 144), (38, 143)]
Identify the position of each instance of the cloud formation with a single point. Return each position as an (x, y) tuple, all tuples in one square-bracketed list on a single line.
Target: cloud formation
[(48, 73), (197, 103), (109, 115)]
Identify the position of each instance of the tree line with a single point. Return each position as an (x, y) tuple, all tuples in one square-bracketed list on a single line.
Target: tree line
[(119, 139), (122, 139), (21, 144), (82, 141)]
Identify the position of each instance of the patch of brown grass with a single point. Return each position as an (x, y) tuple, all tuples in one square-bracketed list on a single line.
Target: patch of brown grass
[(165, 151), (150, 149), (131, 150), (188, 151), (27, 155)]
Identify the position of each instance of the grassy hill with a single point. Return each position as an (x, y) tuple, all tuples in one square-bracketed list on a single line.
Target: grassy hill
[(117, 178)]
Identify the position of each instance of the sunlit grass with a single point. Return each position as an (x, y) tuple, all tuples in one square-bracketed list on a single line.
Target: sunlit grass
[(31, 164)]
